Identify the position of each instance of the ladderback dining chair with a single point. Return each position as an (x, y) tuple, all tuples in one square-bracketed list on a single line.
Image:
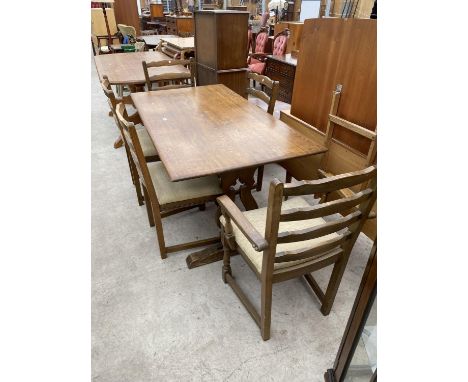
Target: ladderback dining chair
[(264, 81), (290, 239), (169, 74), (164, 197), (149, 151)]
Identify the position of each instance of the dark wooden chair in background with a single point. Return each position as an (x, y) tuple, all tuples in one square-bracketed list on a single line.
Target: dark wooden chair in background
[(163, 197), (149, 151), (270, 101), (289, 239), (169, 74)]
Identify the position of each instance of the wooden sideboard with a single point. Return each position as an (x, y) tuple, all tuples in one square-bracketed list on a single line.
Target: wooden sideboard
[(221, 48), (282, 69), (180, 25)]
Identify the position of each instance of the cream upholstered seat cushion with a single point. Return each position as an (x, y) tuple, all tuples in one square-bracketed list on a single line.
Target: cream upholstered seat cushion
[(146, 143), (170, 192), (258, 219)]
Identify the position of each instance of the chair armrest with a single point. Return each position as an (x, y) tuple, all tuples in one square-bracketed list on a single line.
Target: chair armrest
[(253, 236)]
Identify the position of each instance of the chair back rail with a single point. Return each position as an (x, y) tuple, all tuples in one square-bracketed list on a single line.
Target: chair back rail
[(327, 185), (325, 209), (345, 229)]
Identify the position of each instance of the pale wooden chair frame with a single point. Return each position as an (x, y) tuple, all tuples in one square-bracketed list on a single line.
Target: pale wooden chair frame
[(156, 211), (334, 251), (334, 120), (113, 101), (341, 158), (269, 100), (169, 80)]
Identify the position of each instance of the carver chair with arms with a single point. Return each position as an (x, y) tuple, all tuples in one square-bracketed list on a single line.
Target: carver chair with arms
[(290, 239), (341, 158), (163, 197)]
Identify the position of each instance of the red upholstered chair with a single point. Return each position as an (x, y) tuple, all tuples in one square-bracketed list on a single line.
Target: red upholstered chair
[(257, 61)]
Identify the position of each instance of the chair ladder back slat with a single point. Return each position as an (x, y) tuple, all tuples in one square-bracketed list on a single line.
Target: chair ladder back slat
[(319, 230), (332, 245), (270, 84), (330, 184), (259, 94), (325, 209)]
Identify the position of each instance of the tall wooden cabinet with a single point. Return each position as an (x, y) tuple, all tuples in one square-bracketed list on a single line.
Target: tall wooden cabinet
[(221, 48)]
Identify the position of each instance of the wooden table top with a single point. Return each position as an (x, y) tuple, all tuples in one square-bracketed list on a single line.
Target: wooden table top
[(126, 68), (180, 42), (153, 39), (210, 129)]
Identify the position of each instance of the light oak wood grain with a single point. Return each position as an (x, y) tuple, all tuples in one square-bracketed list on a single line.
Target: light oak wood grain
[(212, 130)]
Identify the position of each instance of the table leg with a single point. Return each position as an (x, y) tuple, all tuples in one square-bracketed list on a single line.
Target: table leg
[(237, 182)]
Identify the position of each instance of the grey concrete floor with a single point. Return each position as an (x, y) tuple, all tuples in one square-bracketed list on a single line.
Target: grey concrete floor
[(155, 320)]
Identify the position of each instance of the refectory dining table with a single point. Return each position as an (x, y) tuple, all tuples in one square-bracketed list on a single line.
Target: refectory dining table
[(208, 130), (126, 69)]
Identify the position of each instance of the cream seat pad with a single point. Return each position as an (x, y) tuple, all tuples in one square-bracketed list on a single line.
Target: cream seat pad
[(146, 143), (170, 192), (258, 219)]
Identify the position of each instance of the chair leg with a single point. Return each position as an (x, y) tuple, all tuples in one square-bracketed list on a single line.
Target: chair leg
[(135, 179), (227, 257), (148, 206), (138, 192), (265, 318), (288, 180), (260, 178), (333, 285), (160, 233)]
